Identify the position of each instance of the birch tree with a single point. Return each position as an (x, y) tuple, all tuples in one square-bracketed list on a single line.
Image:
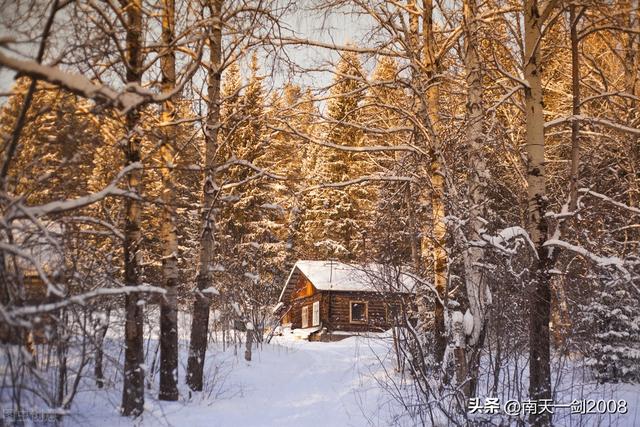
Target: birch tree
[(204, 280), (133, 385), (539, 287), (478, 293), (169, 303)]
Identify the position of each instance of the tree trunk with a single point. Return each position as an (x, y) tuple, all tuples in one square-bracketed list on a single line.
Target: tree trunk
[(101, 333), (248, 342), (169, 303), (200, 320), (575, 97), (133, 385), (438, 226), (477, 290), (539, 290)]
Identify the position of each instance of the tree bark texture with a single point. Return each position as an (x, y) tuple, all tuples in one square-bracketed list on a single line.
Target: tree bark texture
[(438, 227), (168, 303), (200, 320), (539, 293), (133, 386), (477, 289)]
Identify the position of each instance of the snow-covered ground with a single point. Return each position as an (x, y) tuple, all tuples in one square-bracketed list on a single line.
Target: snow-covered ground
[(288, 383), (291, 382)]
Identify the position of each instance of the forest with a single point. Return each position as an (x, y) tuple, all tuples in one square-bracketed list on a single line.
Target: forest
[(165, 163)]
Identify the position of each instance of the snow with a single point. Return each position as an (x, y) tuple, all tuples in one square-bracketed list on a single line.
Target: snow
[(292, 382), (468, 322), (272, 206), (507, 235), (252, 276), (288, 383), (277, 307)]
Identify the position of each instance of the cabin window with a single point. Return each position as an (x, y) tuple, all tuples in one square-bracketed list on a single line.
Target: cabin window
[(358, 311), (305, 316), (316, 313)]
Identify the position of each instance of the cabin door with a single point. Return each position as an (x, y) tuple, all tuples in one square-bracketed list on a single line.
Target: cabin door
[(305, 316)]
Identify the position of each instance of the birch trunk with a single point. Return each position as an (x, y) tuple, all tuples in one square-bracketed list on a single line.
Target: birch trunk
[(477, 290), (414, 53), (539, 293), (101, 332), (439, 230), (168, 303), (133, 385), (200, 320), (575, 110)]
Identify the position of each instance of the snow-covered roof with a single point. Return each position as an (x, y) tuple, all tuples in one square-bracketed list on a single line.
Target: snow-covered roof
[(338, 276)]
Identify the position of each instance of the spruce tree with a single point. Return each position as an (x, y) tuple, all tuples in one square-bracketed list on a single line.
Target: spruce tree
[(337, 221), (613, 316)]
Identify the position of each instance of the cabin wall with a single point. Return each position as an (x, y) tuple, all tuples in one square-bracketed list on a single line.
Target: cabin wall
[(295, 314), (339, 311)]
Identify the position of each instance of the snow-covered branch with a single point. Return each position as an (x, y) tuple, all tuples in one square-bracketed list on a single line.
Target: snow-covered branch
[(131, 97), (597, 120), (13, 249), (599, 260), (359, 180), (247, 164), (349, 148), (609, 200), (81, 299), (59, 206), (500, 240)]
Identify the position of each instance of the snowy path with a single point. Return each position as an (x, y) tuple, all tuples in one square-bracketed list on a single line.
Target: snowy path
[(288, 383)]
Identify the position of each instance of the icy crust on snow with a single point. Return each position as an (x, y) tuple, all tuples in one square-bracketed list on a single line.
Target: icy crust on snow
[(337, 276)]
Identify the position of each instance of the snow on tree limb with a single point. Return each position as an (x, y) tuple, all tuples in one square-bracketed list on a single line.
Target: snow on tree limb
[(498, 241), (349, 148), (609, 200), (67, 205), (597, 120), (359, 180), (80, 299), (611, 261), (15, 250), (131, 97)]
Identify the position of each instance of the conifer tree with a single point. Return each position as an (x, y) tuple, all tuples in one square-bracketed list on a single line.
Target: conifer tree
[(614, 315), (251, 225), (55, 150), (337, 220), (394, 234)]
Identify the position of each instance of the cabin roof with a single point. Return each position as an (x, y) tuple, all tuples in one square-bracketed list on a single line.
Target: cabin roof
[(338, 276)]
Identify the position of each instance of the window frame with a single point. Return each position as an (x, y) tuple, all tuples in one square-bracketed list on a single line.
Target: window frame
[(366, 312), (305, 316), (315, 305)]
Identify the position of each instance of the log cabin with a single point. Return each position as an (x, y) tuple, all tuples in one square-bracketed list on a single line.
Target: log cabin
[(23, 284), (329, 300)]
